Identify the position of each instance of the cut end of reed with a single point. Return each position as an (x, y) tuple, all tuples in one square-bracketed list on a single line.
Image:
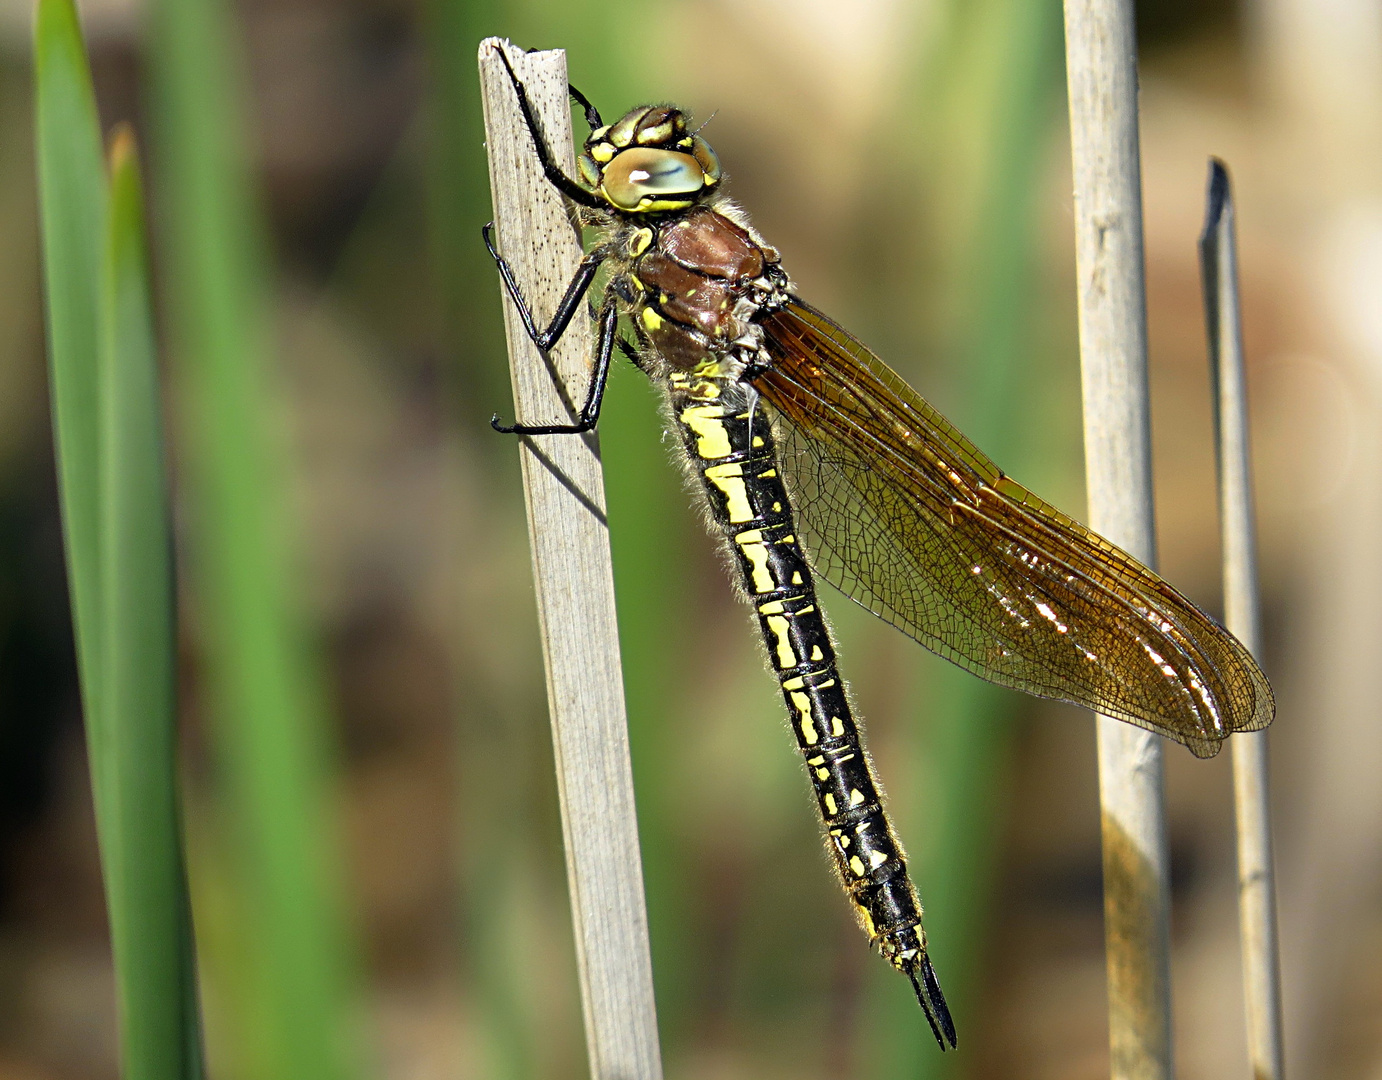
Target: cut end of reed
[(1217, 196)]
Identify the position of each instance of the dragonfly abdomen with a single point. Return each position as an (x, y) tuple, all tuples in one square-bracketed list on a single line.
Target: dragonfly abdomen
[(733, 453)]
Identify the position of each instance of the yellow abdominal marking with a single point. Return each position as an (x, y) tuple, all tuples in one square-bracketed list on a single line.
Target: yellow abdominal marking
[(857, 865), (780, 627), (877, 859), (730, 480), (856, 798), (757, 553), (652, 320), (829, 801), (808, 726), (712, 438)]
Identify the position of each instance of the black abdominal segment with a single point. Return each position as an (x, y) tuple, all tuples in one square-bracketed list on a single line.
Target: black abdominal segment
[(733, 453)]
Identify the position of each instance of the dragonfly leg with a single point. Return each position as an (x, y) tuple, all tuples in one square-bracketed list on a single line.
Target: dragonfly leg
[(570, 301), (590, 411), (633, 355), (550, 168), (592, 114)]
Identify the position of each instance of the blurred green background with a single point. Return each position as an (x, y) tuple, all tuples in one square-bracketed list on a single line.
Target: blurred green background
[(376, 877)]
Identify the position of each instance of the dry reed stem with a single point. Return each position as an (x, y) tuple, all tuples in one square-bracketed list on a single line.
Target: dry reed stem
[(564, 489), (1256, 873), (1101, 67)]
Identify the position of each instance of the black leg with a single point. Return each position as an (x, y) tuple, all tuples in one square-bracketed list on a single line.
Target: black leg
[(633, 355), (590, 411), (592, 114), (575, 289), (559, 179)]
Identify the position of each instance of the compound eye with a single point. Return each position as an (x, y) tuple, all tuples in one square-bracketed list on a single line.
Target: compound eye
[(658, 126), (590, 172), (643, 173), (709, 163), (621, 133)]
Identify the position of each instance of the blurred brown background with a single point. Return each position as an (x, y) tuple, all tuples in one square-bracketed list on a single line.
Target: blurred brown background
[(417, 564)]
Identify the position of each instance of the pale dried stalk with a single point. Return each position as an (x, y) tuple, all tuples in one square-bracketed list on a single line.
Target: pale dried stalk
[(1101, 66), (564, 488), (1256, 874)]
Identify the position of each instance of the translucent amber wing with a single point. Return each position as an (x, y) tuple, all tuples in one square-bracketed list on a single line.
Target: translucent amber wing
[(911, 520)]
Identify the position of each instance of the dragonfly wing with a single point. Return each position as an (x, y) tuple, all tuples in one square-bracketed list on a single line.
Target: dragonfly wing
[(911, 520)]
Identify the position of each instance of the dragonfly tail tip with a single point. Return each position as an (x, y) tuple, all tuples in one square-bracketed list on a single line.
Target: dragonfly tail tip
[(928, 991)]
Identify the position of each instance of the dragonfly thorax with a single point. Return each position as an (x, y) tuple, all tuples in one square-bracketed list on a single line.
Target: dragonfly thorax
[(697, 284)]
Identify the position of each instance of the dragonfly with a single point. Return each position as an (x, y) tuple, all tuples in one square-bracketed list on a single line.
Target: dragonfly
[(818, 462)]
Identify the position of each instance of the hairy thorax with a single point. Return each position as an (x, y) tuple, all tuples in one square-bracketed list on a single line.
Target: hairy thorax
[(695, 287)]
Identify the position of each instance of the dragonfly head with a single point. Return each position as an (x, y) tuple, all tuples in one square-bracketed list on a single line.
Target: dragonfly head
[(648, 163)]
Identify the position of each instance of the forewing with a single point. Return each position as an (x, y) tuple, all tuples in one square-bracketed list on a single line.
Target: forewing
[(908, 518)]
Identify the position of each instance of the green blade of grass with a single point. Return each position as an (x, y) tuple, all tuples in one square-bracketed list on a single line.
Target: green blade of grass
[(263, 683), (999, 76), (106, 425), (146, 886), (972, 740), (72, 196)]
